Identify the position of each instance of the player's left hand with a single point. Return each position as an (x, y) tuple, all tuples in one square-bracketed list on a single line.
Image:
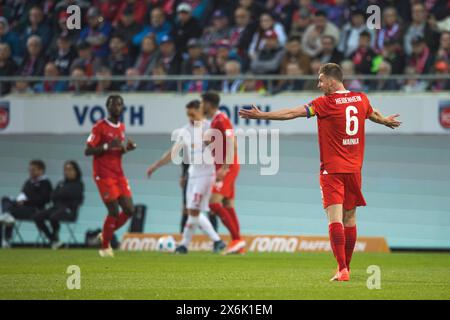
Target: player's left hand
[(253, 113), (392, 122), (131, 145)]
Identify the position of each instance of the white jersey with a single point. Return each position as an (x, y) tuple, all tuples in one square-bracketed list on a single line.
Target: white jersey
[(195, 151)]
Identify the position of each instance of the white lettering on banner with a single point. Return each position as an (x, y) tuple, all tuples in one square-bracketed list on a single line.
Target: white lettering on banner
[(162, 113), (273, 244)]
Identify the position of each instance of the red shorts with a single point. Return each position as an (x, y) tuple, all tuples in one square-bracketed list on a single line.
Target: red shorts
[(226, 186), (342, 188), (113, 188)]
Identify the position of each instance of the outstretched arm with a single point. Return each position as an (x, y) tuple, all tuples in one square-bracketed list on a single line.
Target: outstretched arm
[(389, 121), (283, 114), (165, 159)]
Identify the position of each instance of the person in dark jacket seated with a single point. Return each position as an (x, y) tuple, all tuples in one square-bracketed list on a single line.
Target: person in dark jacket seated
[(66, 199), (34, 196)]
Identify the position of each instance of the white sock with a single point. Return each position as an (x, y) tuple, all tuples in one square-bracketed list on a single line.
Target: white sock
[(207, 227), (189, 230)]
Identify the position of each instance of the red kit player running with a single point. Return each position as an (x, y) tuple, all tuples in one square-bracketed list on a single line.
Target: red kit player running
[(341, 116), (227, 170), (106, 144)]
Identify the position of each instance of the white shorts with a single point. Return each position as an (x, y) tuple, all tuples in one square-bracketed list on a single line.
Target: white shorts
[(198, 192)]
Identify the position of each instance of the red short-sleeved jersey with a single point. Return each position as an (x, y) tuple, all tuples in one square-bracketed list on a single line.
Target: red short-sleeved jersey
[(341, 121), (109, 163), (222, 123)]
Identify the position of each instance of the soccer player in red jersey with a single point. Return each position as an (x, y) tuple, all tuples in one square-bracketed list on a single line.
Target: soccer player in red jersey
[(107, 144), (341, 116), (227, 170)]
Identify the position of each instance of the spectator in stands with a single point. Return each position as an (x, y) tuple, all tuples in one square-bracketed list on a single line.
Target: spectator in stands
[(51, 86), (118, 60), (232, 69), (242, 33), (412, 84), (36, 25), (311, 85), (128, 28), (109, 9), (198, 85), (329, 52), (96, 33), (393, 53), (34, 61), (295, 54), (302, 18), (441, 67), (363, 56), (421, 58), (194, 53), (187, 27), (443, 52), (77, 85), (85, 60), (252, 85), (148, 56), (66, 199), (254, 7), (34, 196), (8, 67), (22, 87), (62, 30), (338, 12), (291, 69), (391, 29), (266, 23), (218, 30), (64, 54), (384, 69), (138, 7), (161, 85), (282, 11), (351, 31), (103, 86), (312, 39), (268, 60), (420, 27), (218, 57), (170, 59), (132, 85), (158, 27), (11, 38), (348, 69)]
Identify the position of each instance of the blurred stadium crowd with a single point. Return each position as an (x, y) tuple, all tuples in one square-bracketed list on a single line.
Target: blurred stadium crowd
[(201, 37)]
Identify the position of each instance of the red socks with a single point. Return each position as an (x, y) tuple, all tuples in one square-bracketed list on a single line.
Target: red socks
[(108, 229), (337, 240), (226, 218), (122, 218), (235, 220), (350, 240)]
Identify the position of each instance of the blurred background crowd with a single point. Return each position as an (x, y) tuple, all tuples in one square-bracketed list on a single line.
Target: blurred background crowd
[(231, 38)]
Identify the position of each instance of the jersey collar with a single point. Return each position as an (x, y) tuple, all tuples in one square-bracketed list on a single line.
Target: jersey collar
[(342, 91), (112, 124)]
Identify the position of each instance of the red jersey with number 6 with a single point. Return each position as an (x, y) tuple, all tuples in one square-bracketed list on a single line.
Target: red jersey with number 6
[(109, 163), (341, 121)]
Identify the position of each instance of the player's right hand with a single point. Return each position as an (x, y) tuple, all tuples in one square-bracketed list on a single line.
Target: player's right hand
[(392, 122), (150, 170), (253, 113)]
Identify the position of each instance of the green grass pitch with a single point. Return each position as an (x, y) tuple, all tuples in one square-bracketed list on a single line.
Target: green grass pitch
[(41, 274)]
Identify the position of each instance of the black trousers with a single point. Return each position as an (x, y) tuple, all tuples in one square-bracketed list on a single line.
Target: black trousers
[(19, 212), (54, 215)]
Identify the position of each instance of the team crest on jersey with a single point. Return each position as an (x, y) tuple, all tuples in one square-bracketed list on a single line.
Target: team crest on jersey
[(444, 114), (4, 114)]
